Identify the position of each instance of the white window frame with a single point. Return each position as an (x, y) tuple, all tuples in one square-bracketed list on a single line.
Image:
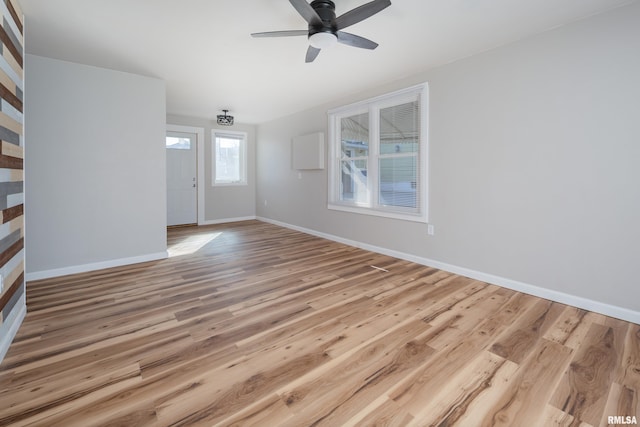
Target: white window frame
[(373, 106), (242, 137)]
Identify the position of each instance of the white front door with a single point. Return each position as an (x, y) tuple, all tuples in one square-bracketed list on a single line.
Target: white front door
[(182, 185)]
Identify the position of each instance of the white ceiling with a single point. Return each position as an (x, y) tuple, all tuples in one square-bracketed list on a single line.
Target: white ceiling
[(203, 50)]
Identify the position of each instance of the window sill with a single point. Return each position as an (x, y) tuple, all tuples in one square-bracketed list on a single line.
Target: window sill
[(418, 217)]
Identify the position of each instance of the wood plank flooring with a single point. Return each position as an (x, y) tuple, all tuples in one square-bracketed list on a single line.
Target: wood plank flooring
[(249, 324)]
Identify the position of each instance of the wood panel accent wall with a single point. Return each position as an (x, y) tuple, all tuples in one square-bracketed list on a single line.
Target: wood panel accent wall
[(12, 289)]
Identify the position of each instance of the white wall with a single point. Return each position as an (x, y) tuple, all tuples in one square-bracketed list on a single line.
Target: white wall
[(225, 203), (95, 167), (534, 167)]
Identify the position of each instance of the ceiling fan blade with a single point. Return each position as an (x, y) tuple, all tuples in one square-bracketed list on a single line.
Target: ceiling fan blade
[(287, 33), (356, 41), (306, 11), (360, 13), (312, 53)]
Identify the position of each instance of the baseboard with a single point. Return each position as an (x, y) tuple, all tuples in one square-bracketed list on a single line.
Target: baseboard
[(64, 271), (227, 220), (561, 297), (12, 323)]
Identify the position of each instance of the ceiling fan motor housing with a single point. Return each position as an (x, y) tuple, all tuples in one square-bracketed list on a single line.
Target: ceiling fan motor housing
[(326, 10)]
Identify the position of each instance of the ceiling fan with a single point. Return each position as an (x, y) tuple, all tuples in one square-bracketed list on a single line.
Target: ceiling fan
[(325, 29)]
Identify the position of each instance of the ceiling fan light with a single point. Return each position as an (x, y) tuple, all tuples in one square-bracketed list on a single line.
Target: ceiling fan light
[(322, 40)]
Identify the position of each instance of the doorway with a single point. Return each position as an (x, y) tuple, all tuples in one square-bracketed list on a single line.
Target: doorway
[(182, 178)]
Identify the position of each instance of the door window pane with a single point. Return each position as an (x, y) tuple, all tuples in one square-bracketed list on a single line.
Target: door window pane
[(175, 143)]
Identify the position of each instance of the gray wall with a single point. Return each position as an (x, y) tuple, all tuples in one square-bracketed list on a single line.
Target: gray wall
[(225, 202), (533, 170), (95, 166)]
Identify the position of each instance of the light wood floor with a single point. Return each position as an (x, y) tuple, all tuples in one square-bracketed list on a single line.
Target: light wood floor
[(264, 326)]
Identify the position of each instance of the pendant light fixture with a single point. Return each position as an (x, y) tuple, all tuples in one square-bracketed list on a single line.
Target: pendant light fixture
[(224, 119)]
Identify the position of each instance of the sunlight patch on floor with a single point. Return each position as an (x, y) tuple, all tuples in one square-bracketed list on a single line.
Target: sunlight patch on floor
[(191, 244)]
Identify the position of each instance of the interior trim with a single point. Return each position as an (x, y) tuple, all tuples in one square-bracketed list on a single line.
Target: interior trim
[(83, 268), (561, 297)]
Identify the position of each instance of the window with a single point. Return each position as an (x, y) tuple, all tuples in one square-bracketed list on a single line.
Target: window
[(229, 158), (176, 143), (378, 156)]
